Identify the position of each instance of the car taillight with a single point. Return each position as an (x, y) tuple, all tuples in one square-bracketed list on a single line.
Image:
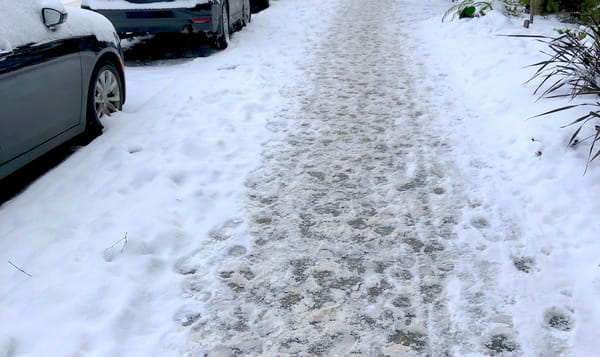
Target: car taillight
[(204, 20)]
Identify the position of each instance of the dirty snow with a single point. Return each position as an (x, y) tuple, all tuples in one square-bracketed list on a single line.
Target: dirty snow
[(341, 180)]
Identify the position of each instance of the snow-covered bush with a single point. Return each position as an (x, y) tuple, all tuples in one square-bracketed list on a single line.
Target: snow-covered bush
[(467, 8), (474, 8), (513, 7), (570, 9)]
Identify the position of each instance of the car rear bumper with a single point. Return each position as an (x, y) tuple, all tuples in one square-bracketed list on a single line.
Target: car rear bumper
[(202, 18)]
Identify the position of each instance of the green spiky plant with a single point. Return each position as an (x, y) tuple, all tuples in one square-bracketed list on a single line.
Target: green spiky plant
[(573, 71)]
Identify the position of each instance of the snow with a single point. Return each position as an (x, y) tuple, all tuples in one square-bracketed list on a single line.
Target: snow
[(126, 5), (538, 207), (134, 241), (23, 25), (167, 193)]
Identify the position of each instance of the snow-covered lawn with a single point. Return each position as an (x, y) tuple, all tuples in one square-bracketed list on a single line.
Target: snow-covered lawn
[(107, 240)]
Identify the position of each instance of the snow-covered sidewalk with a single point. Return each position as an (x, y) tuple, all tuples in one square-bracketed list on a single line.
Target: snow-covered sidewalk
[(348, 177), (351, 211)]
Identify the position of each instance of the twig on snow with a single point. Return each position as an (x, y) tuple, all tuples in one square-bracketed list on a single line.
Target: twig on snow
[(124, 240), (19, 269)]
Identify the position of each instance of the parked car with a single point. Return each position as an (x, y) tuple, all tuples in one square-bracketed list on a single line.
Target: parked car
[(216, 19), (258, 5), (60, 72)]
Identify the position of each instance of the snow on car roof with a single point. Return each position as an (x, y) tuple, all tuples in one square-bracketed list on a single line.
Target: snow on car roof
[(124, 4), (21, 24)]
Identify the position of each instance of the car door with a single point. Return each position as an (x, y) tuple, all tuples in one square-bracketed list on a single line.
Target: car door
[(40, 90)]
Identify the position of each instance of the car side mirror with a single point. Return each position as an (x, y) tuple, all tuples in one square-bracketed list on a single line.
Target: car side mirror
[(53, 17)]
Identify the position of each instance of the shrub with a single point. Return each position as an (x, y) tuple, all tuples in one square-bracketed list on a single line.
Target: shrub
[(573, 70), (577, 8), (570, 5), (552, 6), (513, 7), (590, 9), (468, 8), (473, 8)]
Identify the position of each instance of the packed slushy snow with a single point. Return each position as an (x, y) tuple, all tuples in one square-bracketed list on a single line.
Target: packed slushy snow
[(353, 215), (349, 212)]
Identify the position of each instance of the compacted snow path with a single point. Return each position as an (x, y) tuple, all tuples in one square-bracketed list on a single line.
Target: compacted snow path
[(352, 212)]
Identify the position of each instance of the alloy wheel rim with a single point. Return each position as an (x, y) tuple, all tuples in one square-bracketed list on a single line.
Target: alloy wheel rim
[(225, 24), (107, 96)]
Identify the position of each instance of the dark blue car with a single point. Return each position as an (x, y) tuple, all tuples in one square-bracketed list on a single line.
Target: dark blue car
[(216, 19)]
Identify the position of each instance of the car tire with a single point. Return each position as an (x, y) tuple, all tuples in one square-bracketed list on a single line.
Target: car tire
[(105, 97), (247, 16), (222, 40)]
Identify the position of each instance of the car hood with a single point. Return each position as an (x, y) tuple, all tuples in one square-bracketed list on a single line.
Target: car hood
[(84, 22)]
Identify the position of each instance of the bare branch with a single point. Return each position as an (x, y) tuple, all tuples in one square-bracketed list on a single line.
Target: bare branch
[(19, 269), (124, 240)]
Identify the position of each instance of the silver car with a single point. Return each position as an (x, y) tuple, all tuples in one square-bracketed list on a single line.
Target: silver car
[(60, 72)]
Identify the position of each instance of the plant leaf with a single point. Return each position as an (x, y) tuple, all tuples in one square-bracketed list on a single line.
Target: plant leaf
[(557, 110), (468, 11)]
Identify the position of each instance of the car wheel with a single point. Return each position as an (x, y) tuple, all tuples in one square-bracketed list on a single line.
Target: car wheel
[(104, 97), (222, 40), (247, 17)]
